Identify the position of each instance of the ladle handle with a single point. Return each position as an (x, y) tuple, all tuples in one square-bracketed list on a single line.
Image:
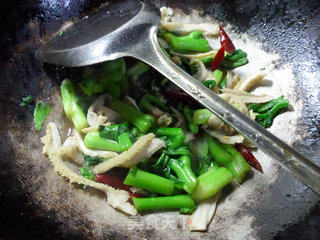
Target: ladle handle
[(302, 168)]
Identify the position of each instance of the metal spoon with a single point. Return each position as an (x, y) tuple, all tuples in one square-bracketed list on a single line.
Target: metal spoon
[(129, 28)]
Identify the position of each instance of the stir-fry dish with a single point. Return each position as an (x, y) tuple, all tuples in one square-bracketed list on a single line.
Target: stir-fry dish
[(146, 143)]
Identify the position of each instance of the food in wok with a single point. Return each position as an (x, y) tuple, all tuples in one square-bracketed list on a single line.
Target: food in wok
[(147, 144)]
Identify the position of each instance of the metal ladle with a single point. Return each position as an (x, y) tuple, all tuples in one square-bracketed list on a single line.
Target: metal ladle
[(129, 28)]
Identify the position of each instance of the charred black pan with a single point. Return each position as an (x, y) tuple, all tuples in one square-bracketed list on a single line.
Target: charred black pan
[(289, 28)]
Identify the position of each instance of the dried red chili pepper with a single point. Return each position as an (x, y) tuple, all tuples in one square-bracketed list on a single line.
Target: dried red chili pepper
[(116, 183), (218, 59), (225, 40), (179, 96), (248, 156)]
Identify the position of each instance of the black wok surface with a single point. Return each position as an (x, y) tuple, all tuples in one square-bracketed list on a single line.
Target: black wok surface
[(290, 28)]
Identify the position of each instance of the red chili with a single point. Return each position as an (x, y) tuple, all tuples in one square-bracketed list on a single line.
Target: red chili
[(180, 96), (225, 40), (248, 156), (116, 183), (218, 59)]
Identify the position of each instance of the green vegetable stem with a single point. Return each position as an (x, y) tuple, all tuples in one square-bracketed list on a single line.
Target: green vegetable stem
[(91, 86), (182, 167), (188, 113), (192, 43), (269, 110), (148, 101), (235, 59), (112, 74), (94, 141), (229, 157), (150, 182), (71, 106), (173, 137), (211, 182), (142, 121), (201, 116), (169, 202)]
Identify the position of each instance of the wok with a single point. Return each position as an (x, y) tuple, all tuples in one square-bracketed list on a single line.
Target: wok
[(36, 203)]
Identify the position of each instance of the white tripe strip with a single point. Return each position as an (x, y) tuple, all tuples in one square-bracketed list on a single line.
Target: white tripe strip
[(164, 120), (201, 73), (131, 101), (163, 43), (201, 218), (248, 83), (52, 142), (181, 122), (98, 114), (70, 150), (243, 96), (142, 149), (224, 138)]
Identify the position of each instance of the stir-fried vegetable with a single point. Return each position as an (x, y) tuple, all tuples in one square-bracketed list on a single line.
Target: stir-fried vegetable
[(91, 86), (142, 121), (235, 59), (146, 137), (182, 167), (188, 113), (211, 182), (192, 43), (157, 203), (150, 182), (229, 157), (112, 74), (85, 172), (173, 137), (71, 106), (40, 114), (269, 110), (27, 101), (201, 116), (92, 160), (94, 141), (148, 102), (210, 83)]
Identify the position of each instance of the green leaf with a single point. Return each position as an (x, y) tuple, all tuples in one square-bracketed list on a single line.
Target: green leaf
[(40, 114), (209, 83), (92, 161), (27, 101), (85, 172), (235, 59)]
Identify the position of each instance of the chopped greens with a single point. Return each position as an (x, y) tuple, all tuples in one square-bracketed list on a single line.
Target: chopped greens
[(269, 110), (92, 161), (85, 172), (235, 59), (40, 114), (209, 83), (194, 42), (27, 101)]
